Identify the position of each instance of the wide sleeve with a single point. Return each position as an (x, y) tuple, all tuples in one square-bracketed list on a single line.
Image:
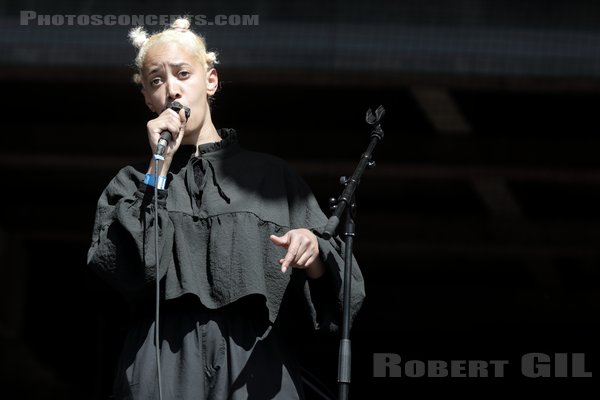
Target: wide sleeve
[(324, 296), (122, 251)]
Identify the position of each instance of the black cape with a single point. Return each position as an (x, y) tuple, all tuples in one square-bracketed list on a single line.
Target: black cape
[(215, 217)]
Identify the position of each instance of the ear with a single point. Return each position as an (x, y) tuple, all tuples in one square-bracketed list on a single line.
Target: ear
[(212, 82), (147, 100)]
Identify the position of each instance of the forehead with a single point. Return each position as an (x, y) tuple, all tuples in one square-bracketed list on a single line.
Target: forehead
[(168, 53)]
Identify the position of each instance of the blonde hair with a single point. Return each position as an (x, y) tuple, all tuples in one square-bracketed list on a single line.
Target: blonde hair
[(179, 32)]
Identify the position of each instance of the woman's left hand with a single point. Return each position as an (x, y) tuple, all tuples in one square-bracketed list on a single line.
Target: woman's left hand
[(302, 251)]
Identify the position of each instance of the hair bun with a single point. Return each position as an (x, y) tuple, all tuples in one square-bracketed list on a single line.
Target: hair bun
[(211, 59), (182, 24), (138, 36)]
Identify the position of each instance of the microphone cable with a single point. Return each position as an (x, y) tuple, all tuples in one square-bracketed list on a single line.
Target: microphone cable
[(157, 305), (160, 149)]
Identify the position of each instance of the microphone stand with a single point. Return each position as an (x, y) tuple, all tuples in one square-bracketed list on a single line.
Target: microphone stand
[(346, 204)]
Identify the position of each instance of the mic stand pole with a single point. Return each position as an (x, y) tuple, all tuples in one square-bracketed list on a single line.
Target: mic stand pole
[(347, 203)]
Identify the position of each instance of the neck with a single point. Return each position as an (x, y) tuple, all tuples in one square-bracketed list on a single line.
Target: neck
[(206, 133)]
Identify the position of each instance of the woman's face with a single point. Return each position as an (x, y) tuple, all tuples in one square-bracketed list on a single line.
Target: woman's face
[(171, 72)]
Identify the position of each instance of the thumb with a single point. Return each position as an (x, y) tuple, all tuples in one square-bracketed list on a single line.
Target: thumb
[(282, 241), (182, 116)]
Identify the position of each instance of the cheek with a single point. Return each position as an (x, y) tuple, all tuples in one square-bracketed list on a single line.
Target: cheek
[(155, 98), (151, 100), (198, 97)]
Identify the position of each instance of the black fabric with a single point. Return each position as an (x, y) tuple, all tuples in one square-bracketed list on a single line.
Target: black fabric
[(231, 353), (215, 217)]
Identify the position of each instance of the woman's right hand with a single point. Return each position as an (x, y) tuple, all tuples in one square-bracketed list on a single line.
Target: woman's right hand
[(170, 121)]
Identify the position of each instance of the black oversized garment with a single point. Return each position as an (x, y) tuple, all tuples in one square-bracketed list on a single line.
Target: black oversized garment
[(218, 268)]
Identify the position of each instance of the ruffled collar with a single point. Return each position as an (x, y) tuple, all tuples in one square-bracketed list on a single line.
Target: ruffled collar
[(185, 159), (229, 140)]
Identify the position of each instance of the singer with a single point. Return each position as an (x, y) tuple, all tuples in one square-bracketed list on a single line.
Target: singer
[(244, 276)]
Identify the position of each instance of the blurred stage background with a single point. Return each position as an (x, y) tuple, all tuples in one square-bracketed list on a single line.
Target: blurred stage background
[(478, 232)]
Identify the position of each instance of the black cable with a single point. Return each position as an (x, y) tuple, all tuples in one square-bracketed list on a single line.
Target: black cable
[(156, 317), (165, 137)]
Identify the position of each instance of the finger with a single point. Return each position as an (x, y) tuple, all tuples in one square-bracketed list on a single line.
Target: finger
[(169, 117), (282, 241), (182, 117), (175, 121), (179, 135), (303, 261), (311, 260), (171, 112), (291, 255), (304, 248), (177, 140), (171, 124), (174, 129)]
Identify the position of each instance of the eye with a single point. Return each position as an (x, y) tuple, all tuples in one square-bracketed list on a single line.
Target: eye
[(184, 74), (155, 81)]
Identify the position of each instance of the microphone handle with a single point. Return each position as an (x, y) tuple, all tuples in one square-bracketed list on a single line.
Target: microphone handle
[(163, 142), (165, 136)]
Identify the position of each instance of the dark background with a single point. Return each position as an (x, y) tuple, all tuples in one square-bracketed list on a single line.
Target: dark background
[(478, 232)]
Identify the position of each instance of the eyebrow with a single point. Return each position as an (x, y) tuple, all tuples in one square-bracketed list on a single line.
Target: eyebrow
[(172, 65)]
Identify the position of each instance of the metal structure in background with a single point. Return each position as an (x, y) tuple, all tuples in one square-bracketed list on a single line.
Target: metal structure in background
[(462, 37)]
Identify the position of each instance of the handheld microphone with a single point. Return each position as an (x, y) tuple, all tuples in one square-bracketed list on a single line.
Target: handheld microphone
[(165, 136)]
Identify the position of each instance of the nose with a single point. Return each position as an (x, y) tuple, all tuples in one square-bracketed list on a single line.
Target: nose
[(173, 89)]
